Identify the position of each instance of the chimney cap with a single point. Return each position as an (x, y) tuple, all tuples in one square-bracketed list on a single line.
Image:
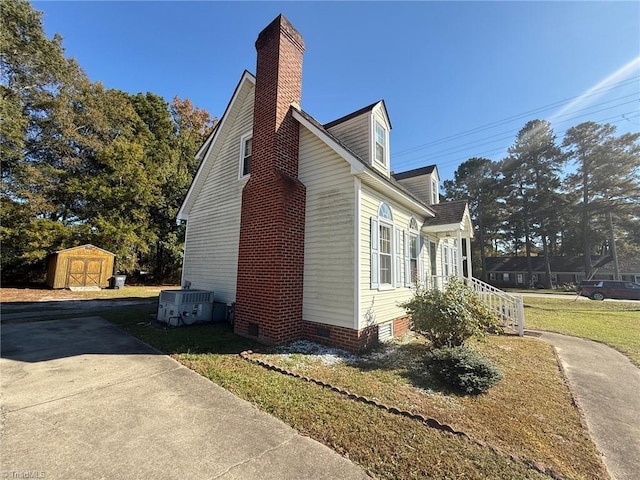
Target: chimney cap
[(280, 24)]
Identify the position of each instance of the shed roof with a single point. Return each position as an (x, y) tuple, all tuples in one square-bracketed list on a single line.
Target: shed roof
[(87, 245)]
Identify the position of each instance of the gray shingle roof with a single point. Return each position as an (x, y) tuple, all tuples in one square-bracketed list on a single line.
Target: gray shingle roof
[(357, 113), (416, 172), (447, 213)]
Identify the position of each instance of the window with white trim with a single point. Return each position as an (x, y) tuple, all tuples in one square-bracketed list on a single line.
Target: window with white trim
[(454, 258), (246, 148), (445, 261), (384, 247), (412, 254), (380, 134), (433, 258), (434, 192)]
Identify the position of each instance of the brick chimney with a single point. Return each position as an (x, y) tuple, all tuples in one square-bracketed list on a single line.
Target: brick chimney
[(271, 253)]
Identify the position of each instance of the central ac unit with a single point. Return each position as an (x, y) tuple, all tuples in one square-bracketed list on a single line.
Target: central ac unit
[(184, 307)]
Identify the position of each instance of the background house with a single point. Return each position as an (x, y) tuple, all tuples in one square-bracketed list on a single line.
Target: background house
[(512, 271)]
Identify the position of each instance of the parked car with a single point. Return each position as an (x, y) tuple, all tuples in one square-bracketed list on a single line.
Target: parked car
[(601, 289)]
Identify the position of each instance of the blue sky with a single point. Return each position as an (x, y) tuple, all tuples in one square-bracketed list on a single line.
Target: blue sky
[(459, 78)]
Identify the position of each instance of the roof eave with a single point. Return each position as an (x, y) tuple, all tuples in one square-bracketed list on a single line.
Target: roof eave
[(183, 213), (359, 169)]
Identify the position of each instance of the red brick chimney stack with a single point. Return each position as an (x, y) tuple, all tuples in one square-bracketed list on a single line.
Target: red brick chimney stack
[(271, 253)]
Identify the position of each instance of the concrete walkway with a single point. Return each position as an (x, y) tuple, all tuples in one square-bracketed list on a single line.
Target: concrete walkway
[(82, 399), (607, 387)]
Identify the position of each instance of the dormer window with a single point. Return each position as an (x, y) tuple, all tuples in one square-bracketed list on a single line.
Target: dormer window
[(246, 144), (434, 192), (381, 144)]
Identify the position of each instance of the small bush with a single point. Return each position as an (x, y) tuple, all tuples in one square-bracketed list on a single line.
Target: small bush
[(463, 370), (451, 316)]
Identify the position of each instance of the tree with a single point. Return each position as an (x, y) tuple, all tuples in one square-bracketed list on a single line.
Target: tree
[(607, 178), (475, 180), (32, 69), (532, 178), (87, 164), (178, 129)]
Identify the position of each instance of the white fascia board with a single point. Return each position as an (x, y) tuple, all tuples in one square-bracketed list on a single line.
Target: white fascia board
[(204, 146), (449, 227), (186, 204), (395, 194), (466, 220), (360, 170)]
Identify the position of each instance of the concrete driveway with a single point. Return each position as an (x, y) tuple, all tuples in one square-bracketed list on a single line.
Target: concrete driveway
[(82, 399)]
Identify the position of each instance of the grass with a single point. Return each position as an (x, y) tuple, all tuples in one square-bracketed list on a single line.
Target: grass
[(616, 324), (553, 291), (530, 414)]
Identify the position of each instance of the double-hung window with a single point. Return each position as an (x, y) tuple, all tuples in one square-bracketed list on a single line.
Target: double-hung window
[(412, 254), (246, 144), (381, 144), (385, 254), (445, 261), (382, 248)]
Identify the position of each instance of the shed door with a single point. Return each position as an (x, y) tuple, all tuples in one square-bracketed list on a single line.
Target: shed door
[(84, 272)]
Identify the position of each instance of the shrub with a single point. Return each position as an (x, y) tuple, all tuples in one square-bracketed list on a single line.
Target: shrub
[(451, 316), (463, 370)]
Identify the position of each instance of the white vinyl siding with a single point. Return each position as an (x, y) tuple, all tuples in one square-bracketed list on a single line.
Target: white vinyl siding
[(354, 133), (425, 187), (359, 135), (213, 228), (380, 305), (329, 255)]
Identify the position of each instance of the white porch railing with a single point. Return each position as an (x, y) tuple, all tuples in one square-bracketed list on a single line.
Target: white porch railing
[(508, 307)]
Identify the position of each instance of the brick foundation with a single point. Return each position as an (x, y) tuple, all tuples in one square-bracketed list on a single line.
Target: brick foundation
[(341, 337), (401, 325)]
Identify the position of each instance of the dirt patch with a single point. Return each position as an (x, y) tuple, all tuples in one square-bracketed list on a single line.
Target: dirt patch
[(36, 295), (14, 295)]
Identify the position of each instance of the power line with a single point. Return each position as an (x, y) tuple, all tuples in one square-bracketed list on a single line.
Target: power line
[(487, 126), (627, 116), (509, 134)]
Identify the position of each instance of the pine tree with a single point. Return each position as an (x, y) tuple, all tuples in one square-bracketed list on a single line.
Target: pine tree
[(607, 179)]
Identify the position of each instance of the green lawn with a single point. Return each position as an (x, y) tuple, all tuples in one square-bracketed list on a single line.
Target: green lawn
[(513, 418), (616, 324)]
